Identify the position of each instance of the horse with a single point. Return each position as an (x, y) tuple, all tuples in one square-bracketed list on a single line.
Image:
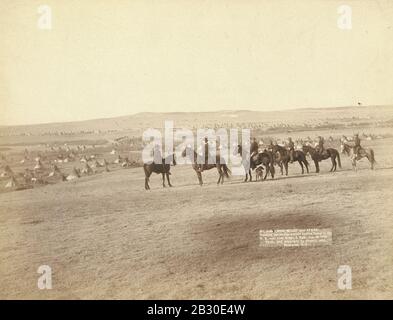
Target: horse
[(163, 168), (284, 158), (317, 157), (363, 153), (198, 165), (262, 158)]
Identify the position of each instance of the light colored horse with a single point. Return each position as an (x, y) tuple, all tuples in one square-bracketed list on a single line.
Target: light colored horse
[(200, 166), (363, 153)]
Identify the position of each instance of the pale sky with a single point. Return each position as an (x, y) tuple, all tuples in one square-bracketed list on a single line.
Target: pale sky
[(111, 58)]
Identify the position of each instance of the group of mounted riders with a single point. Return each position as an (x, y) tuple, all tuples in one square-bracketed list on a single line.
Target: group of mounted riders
[(274, 154), (320, 148)]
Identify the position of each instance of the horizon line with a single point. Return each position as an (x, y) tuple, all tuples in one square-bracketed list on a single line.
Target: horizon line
[(169, 112)]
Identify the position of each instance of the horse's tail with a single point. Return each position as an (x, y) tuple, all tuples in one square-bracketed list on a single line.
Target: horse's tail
[(227, 172), (338, 159)]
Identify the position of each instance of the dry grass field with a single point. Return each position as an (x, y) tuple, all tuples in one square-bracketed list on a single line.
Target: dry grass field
[(104, 236)]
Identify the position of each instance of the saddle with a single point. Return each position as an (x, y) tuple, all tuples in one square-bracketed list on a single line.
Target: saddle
[(323, 153)]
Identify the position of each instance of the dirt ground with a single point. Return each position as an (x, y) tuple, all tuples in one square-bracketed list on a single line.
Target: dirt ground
[(104, 236)]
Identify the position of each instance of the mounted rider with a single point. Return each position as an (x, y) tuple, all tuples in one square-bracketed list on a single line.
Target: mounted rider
[(357, 147), (220, 147), (206, 149), (321, 148), (157, 156), (254, 146), (270, 146), (273, 149), (291, 147), (204, 153)]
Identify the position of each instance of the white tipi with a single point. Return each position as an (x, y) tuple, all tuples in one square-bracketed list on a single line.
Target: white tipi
[(12, 183)]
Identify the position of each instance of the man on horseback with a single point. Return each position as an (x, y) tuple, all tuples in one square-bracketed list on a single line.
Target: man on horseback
[(254, 147), (206, 149), (357, 147), (291, 146), (157, 156), (270, 146), (321, 148)]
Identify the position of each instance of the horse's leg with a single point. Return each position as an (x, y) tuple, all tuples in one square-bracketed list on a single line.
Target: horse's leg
[(167, 177), (301, 164), (354, 164), (316, 166), (369, 158), (249, 172), (281, 168), (372, 156), (331, 169), (198, 173), (147, 175), (267, 171), (163, 179), (200, 178), (305, 163), (286, 167), (271, 169), (222, 174), (220, 177)]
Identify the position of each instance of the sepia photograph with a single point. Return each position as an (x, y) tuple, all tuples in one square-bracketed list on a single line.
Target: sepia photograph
[(196, 150)]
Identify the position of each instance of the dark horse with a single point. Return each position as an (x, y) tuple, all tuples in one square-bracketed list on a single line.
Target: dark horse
[(263, 158), (163, 168), (284, 158), (317, 157), (198, 165)]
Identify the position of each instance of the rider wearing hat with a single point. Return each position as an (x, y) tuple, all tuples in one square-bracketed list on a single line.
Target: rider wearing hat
[(291, 146), (206, 148), (254, 147), (357, 146), (157, 156), (321, 148)]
